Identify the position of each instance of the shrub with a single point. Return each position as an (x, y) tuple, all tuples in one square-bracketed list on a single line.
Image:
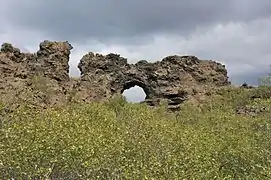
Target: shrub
[(119, 140)]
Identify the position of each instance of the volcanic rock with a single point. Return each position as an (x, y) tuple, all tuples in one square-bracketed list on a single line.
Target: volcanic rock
[(43, 77)]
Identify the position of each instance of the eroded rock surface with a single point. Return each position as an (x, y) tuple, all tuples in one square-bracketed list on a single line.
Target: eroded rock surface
[(173, 79), (45, 75)]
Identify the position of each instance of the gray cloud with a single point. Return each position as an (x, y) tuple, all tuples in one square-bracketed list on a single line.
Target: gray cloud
[(121, 19)]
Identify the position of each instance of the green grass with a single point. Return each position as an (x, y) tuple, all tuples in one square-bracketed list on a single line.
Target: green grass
[(119, 140)]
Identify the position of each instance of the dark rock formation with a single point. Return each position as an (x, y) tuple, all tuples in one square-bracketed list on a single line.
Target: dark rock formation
[(53, 60), (246, 86), (50, 61), (172, 80)]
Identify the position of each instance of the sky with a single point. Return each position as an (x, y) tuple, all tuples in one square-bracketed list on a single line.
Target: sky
[(235, 33)]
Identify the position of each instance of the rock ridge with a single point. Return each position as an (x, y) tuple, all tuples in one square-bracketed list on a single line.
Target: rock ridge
[(173, 80)]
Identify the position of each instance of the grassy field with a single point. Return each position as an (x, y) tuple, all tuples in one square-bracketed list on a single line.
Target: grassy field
[(120, 140)]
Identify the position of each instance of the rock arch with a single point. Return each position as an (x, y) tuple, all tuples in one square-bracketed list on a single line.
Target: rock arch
[(173, 79)]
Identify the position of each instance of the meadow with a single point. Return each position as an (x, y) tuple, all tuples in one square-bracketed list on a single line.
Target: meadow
[(120, 140)]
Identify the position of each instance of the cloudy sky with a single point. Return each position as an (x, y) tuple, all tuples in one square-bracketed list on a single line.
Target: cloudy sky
[(233, 32)]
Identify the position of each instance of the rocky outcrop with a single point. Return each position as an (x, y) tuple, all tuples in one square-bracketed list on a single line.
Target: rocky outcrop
[(51, 61), (250, 110), (173, 80)]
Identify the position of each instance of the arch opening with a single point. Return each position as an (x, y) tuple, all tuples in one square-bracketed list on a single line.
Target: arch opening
[(135, 92)]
